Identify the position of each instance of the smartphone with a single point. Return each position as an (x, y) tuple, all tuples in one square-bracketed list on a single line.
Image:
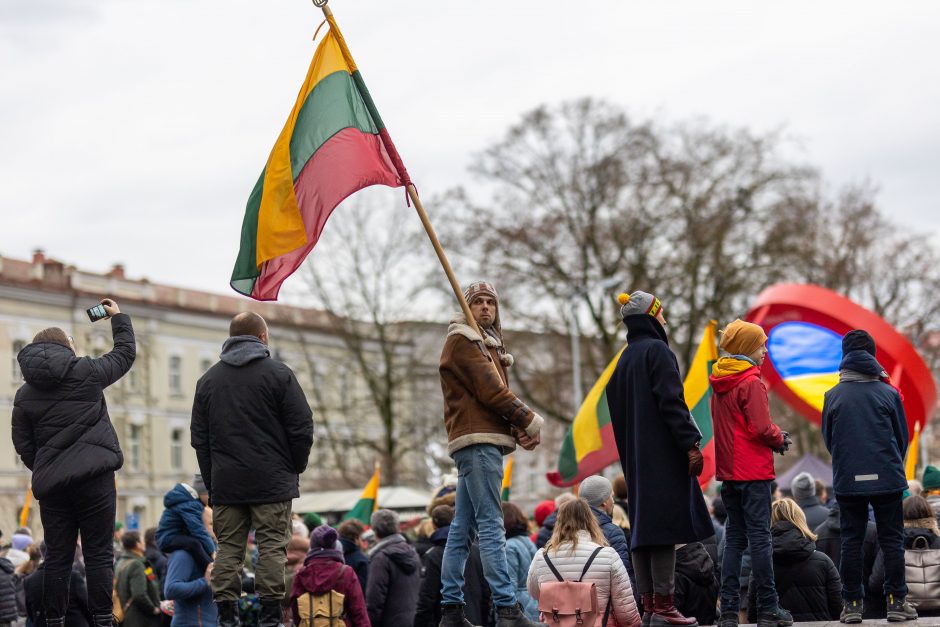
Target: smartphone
[(96, 313)]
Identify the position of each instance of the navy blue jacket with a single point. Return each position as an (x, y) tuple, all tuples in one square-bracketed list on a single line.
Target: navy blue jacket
[(865, 430), (654, 431), (546, 530), (356, 560), (190, 592), (183, 516), (617, 540)]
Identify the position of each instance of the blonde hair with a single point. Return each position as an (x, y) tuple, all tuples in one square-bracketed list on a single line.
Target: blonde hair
[(574, 516), (620, 518), (788, 510)]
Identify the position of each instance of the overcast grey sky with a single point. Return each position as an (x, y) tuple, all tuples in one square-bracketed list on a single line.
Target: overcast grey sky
[(133, 131)]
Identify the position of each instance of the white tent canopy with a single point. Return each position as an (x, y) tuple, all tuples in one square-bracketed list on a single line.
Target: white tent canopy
[(398, 498)]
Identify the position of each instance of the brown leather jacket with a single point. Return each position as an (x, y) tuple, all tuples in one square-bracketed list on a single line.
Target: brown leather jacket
[(479, 408)]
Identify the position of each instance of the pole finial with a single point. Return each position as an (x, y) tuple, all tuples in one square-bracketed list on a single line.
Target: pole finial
[(320, 3)]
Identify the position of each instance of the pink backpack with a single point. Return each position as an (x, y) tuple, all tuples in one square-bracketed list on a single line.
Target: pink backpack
[(565, 603)]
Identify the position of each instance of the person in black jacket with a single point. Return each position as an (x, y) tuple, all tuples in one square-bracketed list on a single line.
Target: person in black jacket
[(252, 430), (349, 536), (476, 591), (806, 579), (8, 613), (78, 614), (548, 525), (868, 471), (394, 574), (62, 432), (803, 488), (697, 583)]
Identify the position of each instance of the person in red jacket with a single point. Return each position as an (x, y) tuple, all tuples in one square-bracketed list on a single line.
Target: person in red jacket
[(745, 440), (325, 570)]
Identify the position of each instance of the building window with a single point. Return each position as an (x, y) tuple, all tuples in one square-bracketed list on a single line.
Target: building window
[(176, 375), (17, 347), (205, 365), (176, 449), (134, 448)]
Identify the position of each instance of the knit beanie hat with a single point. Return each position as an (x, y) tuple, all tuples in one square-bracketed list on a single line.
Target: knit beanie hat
[(931, 478), (858, 340), (199, 485), (480, 288), (803, 486), (595, 490), (323, 537), (639, 303), (312, 520), (742, 338), (543, 510)]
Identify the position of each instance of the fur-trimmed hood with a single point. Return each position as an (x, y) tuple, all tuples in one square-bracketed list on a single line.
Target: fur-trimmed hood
[(459, 326)]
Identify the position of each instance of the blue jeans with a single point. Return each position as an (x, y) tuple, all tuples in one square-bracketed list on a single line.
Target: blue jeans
[(478, 512), (748, 506), (853, 520)]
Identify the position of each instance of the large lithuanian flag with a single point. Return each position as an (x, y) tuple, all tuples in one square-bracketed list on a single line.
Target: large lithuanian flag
[(589, 446), (368, 502), (333, 144)]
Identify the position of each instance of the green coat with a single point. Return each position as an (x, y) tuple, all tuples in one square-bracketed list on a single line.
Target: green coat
[(136, 580)]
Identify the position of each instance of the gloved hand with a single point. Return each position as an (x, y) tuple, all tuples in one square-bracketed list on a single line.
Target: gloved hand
[(787, 441), (696, 462)]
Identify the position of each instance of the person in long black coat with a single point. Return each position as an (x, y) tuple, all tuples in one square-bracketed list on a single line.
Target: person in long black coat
[(658, 443)]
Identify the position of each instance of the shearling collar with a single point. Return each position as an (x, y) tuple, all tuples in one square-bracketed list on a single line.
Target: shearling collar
[(459, 326)]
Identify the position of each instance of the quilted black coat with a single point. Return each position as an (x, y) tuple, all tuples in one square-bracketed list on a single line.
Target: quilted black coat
[(61, 427)]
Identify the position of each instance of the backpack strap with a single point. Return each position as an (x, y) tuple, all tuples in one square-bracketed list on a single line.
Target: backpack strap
[(552, 566), (590, 561)]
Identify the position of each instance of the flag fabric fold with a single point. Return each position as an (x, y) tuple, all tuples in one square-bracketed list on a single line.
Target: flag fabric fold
[(910, 464), (589, 445), (506, 491), (368, 502), (333, 144)]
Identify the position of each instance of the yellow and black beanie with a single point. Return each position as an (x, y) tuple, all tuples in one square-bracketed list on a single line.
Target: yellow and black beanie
[(639, 303)]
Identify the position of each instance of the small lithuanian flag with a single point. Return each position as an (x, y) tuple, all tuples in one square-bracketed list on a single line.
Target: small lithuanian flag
[(368, 502)]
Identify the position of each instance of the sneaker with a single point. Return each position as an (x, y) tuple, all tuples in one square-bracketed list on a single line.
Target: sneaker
[(899, 609), (780, 618), (852, 611), (728, 619)]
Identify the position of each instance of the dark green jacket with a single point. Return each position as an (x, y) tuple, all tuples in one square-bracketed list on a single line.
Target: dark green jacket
[(136, 580)]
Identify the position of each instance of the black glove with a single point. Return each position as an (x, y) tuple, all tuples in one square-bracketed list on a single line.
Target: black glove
[(787, 441)]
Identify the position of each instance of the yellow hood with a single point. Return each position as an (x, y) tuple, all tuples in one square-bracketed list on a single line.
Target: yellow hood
[(727, 366)]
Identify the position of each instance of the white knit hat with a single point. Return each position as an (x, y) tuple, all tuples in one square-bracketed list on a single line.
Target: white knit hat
[(595, 490)]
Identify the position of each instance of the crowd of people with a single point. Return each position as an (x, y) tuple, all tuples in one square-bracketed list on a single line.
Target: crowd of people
[(647, 549)]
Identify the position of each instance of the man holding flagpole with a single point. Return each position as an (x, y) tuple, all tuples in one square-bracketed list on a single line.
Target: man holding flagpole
[(484, 421)]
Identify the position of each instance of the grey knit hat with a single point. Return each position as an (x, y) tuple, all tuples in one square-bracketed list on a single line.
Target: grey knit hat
[(639, 303), (803, 486), (199, 485), (595, 490)]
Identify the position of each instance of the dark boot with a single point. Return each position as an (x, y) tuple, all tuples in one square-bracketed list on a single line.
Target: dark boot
[(103, 620), (665, 613), (513, 616), (271, 613), (899, 609), (780, 618), (852, 611), (228, 614), (452, 616), (728, 619), (647, 601)]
